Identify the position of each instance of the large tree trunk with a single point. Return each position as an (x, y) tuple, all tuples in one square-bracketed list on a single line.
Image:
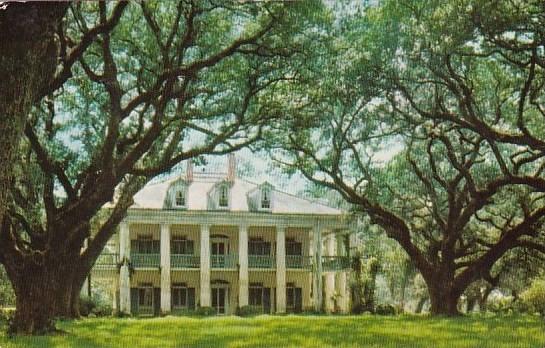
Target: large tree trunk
[(43, 292), (444, 299), (27, 62)]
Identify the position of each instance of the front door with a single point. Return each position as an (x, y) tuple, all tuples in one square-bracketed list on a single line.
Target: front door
[(219, 300)]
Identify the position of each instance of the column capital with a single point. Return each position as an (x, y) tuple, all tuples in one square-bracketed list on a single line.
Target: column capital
[(282, 227)]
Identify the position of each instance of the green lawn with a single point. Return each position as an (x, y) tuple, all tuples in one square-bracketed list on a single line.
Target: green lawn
[(296, 331)]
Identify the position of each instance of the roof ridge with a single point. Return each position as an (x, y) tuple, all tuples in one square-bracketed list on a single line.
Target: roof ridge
[(293, 195)]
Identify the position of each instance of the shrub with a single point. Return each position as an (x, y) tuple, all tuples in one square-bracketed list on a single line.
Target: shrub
[(205, 311), (102, 310), (247, 311), (4, 318), (534, 296), (94, 306), (501, 304), (385, 309), (86, 305)]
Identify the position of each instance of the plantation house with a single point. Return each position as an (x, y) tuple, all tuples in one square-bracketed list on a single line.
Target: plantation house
[(215, 240)]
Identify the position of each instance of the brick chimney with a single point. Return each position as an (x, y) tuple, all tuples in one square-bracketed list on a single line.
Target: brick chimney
[(189, 170), (232, 167)]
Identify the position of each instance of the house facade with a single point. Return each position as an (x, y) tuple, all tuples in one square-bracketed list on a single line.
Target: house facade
[(215, 240)]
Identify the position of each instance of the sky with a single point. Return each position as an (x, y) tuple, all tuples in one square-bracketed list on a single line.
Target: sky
[(263, 169)]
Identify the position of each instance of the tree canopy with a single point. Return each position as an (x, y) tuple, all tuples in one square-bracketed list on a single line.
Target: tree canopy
[(462, 96), (138, 88)]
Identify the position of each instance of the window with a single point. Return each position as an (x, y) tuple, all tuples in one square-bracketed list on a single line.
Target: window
[(294, 298), (265, 198), (223, 200), (182, 296), (259, 247), (181, 246), (255, 295), (179, 200), (145, 296), (145, 245), (293, 247), (259, 296)]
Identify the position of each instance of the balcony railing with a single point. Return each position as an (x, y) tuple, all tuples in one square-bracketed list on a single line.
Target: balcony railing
[(224, 261), (184, 261), (335, 263), (106, 260), (329, 263), (261, 261), (145, 260), (298, 261)]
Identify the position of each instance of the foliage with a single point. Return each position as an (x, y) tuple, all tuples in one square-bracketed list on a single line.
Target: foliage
[(501, 304), (534, 296), (386, 309), (7, 297), (139, 87), (205, 311), (459, 193), (94, 306), (248, 311), (364, 284), (301, 331)]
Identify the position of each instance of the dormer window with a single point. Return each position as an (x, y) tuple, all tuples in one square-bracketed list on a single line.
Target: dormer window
[(266, 198), (223, 199), (179, 199)]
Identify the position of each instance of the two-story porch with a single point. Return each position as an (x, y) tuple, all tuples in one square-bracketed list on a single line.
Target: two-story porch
[(176, 267)]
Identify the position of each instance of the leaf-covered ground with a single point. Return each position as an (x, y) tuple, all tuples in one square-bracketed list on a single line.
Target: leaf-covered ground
[(296, 331)]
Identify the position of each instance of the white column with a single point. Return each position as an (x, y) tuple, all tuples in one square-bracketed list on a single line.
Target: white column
[(165, 269), (115, 295), (330, 276), (352, 242), (243, 281), (340, 284), (317, 293), (280, 269), (84, 292), (124, 280), (205, 267), (341, 250)]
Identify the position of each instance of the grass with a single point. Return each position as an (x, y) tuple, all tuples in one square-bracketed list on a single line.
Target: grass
[(296, 331)]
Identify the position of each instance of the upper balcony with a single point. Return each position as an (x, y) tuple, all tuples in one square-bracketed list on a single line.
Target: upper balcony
[(299, 262), (184, 261), (335, 263), (145, 260), (261, 261), (229, 261), (107, 260), (226, 261)]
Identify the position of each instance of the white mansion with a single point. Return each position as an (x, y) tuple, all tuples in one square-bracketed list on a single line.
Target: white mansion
[(215, 240)]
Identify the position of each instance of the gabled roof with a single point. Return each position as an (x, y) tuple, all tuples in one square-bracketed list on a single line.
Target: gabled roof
[(153, 196)]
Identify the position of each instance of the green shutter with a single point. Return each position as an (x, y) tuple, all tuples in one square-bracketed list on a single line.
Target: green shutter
[(191, 298), (156, 301), (134, 301), (267, 300), (298, 300)]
